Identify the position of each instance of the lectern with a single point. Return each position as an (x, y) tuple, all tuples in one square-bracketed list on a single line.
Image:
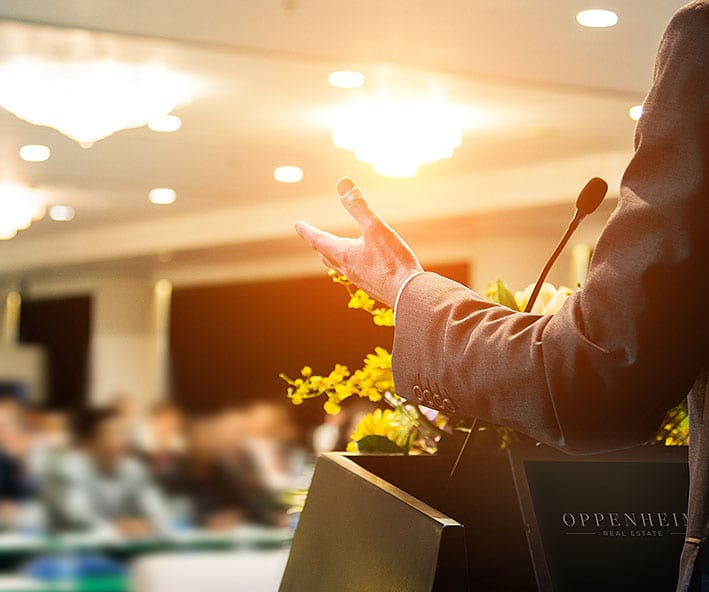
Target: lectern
[(528, 518)]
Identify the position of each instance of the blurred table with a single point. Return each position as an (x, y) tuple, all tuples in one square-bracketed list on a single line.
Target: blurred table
[(92, 584), (17, 549), (245, 536), (240, 571)]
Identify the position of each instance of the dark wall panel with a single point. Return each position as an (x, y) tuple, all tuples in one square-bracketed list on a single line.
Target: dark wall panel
[(63, 327), (229, 342)]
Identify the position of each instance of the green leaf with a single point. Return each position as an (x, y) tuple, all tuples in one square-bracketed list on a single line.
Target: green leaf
[(504, 296), (378, 444)]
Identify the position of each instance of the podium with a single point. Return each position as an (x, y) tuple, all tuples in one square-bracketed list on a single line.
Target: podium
[(529, 518)]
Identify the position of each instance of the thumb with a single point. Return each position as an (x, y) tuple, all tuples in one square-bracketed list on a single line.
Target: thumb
[(355, 203)]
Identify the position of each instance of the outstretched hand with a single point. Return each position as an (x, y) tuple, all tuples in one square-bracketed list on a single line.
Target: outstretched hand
[(378, 262)]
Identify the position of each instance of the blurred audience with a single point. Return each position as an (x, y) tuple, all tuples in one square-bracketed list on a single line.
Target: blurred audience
[(162, 431), (127, 409), (100, 486), (16, 484), (216, 500), (159, 441), (119, 471), (50, 435), (270, 441), (221, 479)]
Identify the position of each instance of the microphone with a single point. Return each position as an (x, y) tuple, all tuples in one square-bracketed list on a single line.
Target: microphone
[(588, 200)]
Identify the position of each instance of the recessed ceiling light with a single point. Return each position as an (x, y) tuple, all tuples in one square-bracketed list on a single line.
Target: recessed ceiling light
[(597, 18), (288, 174), (162, 195), (165, 123), (346, 79), (35, 153), (61, 213), (635, 112)]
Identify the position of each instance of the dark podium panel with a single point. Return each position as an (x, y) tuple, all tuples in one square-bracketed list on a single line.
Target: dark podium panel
[(528, 519), (360, 533)]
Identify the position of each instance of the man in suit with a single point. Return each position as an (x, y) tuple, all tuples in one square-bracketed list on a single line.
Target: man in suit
[(601, 373)]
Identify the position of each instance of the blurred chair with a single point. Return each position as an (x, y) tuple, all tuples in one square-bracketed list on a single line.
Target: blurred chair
[(241, 571)]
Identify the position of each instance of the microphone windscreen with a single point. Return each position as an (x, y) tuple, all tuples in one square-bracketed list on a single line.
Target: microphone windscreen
[(591, 196)]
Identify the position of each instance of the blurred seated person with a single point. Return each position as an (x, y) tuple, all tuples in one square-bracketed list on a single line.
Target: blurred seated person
[(161, 444), (218, 480), (271, 440), (215, 502), (125, 407), (50, 435), (16, 485), (99, 486)]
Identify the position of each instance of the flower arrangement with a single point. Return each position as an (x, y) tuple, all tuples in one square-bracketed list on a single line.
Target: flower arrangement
[(675, 427), (407, 428), (403, 427)]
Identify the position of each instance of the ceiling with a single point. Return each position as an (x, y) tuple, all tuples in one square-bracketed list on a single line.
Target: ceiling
[(553, 99)]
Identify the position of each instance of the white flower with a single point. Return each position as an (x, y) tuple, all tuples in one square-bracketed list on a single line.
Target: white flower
[(549, 301)]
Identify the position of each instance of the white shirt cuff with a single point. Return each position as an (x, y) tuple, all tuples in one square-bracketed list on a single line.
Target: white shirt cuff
[(401, 289)]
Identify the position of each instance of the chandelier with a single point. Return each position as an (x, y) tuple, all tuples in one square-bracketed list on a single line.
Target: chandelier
[(87, 85), (88, 101), (398, 136)]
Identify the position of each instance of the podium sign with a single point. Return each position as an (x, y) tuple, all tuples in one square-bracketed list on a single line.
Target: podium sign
[(530, 518), (615, 522)]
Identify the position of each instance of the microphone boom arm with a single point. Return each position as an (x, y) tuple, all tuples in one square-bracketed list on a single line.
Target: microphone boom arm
[(588, 200), (573, 225)]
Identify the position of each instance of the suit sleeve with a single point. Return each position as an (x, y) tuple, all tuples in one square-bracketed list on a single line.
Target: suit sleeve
[(600, 374)]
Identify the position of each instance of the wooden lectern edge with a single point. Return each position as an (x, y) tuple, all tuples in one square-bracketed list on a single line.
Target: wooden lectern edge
[(372, 480)]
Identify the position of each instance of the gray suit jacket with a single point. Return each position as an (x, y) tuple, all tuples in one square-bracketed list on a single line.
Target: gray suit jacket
[(601, 373)]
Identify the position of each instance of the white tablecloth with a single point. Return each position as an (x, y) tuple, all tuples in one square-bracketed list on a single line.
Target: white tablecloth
[(240, 571)]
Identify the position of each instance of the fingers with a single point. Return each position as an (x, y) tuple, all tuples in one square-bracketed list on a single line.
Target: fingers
[(323, 242), (356, 204), (345, 184)]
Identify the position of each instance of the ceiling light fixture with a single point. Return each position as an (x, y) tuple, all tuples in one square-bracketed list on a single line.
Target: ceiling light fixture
[(597, 18), (398, 136), (162, 196), (165, 123), (635, 112), (35, 153), (88, 85), (288, 174), (346, 79), (19, 207), (90, 100), (61, 213)]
